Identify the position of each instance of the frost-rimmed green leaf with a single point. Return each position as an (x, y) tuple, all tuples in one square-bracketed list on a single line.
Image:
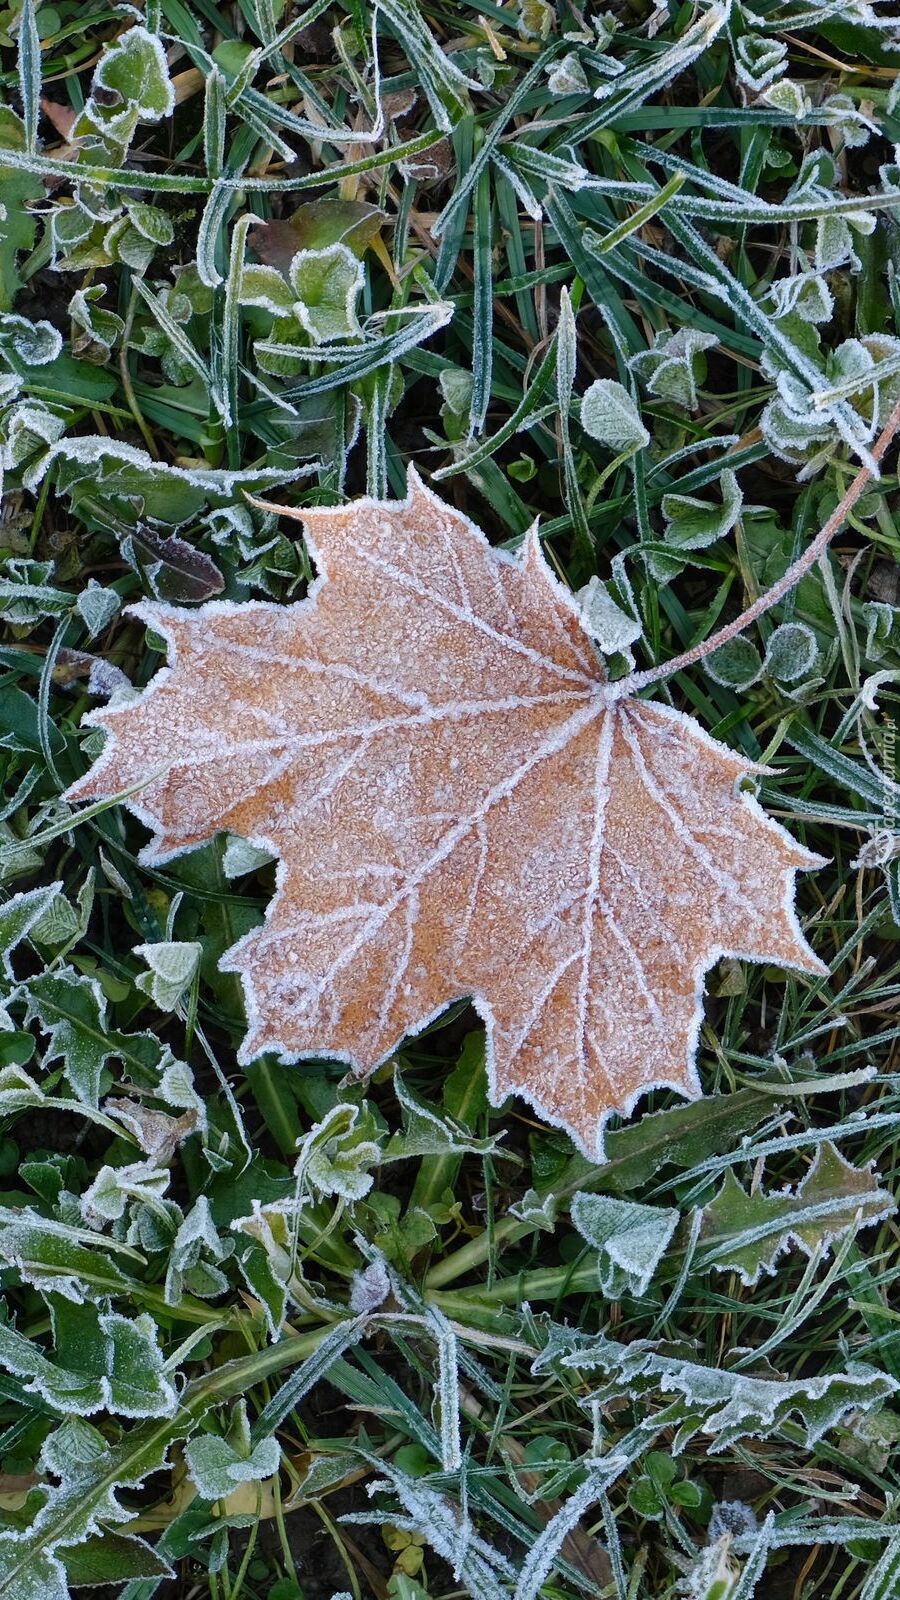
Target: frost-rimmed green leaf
[(321, 293), (612, 627), (737, 664), (131, 84), (791, 652), (630, 1239), (675, 365), (728, 1404), (608, 413), (217, 1465), (172, 964), (104, 1361), (747, 1232)]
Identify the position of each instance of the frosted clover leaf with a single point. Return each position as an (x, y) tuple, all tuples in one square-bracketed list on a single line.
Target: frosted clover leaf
[(737, 664), (35, 343), (759, 61), (172, 964), (791, 653), (321, 294), (536, 1211), (218, 1466), (847, 403), (788, 96), (830, 238), (605, 620), (805, 295), (194, 1256), (115, 1188), (693, 524), (675, 365), (29, 430), (412, 796), (609, 414)]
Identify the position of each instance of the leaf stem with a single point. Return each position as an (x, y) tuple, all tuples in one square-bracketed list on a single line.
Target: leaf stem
[(797, 570)]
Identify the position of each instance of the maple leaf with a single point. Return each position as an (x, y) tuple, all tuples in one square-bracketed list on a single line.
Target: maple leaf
[(462, 806)]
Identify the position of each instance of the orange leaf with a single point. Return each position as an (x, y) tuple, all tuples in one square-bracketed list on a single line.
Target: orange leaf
[(461, 806)]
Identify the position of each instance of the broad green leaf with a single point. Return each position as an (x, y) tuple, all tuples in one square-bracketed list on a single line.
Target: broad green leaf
[(103, 1361), (32, 1574), (315, 226), (56, 1257), (131, 84), (736, 664), (112, 1558), (792, 652)]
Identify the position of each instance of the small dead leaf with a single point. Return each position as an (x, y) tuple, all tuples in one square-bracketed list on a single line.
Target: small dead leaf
[(158, 1134), (463, 806), (173, 568), (62, 118), (432, 166)]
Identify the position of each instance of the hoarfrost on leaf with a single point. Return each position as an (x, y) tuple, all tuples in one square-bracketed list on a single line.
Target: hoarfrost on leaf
[(737, 664), (609, 414), (217, 1466), (631, 1240), (727, 1404), (336, 1157), (172, 965), (536, 1211), (747, 1233), (449, 872), (115, 1188), (96, 607), (131, 84), (791, 652), (34, 343), (675, 364)]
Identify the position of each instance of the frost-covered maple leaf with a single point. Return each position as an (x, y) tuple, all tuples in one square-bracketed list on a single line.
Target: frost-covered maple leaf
[(461, 805)]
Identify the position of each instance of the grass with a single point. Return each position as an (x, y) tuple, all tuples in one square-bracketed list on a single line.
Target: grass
[(519, 1408)]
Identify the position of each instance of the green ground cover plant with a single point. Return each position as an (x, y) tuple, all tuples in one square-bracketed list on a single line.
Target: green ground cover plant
[(265, 1331)]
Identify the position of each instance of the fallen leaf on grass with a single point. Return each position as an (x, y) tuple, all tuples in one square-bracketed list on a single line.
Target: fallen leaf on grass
[(462, 805)]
